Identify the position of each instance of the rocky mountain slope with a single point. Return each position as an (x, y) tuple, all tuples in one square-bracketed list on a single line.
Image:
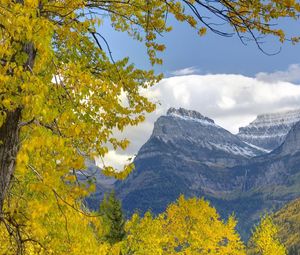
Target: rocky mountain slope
[(197, 137), (189, 154), (270, 181), (103, 183), (268, 131)]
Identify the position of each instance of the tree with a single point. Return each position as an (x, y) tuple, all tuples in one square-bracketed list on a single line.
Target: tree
[(39, 223), (112, 215), (192, 226), (188, 226), (288, 221), (264, 240), (62, 94)]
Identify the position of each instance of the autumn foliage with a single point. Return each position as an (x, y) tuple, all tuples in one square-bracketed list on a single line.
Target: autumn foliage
[(62, 96), (188, 226)]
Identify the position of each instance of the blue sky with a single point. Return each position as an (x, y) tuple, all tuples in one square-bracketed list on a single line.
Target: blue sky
[(209, 54), (217, 76)]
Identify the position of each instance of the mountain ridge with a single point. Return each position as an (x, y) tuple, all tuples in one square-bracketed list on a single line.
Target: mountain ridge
[(268, 131), (180, 158), (181, 125)]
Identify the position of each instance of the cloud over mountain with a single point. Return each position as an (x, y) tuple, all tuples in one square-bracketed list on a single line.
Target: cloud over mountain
[(292, 74), (231, 100)]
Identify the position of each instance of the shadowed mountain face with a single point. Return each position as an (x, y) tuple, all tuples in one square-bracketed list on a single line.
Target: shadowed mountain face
[(191, 135), (103, 183), (189, 154)]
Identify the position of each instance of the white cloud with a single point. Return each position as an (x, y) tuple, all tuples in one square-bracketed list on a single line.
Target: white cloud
[(228, 99), (231, 100), (185, 71), (292, 74), (226, 103), (115, 159)]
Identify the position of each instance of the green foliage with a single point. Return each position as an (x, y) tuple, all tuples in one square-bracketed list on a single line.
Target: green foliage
[(113, 218)]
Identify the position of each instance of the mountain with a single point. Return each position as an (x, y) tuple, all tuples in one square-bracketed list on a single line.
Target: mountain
[(103, 183), (198, 137), (189, 154), (291, 144), (268, 131), (288, 221), (270, 181)]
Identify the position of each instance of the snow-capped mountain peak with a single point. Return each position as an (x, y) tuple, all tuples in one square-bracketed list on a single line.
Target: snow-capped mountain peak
[(195, 135), (288, 118), (268, 131), (190, 115)]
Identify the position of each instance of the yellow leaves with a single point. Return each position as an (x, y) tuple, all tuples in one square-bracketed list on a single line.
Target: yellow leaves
[(189, 226), (70, 178), (77, 130), (180, 17), (289, 3), (192, 21), (23, 160), (192, 226), (38, 209), (281, 35), (202, 31), (31, 3), (265, 239), (77, 114), (295, 39), (6, 248), (6, 102), (151, 36), (123, 144), (121, 174), (78, 163), (115, 249), (160, 47), (50, 212), (145, 236)]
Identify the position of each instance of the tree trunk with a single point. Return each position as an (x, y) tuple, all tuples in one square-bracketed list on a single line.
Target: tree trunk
[(9, 135), (9, 145)]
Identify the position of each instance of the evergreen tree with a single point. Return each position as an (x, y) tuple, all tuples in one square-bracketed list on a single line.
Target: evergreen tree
[(111, 211)]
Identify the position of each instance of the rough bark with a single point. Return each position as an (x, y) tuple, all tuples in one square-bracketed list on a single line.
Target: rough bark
[(9, 136), (9, 145)]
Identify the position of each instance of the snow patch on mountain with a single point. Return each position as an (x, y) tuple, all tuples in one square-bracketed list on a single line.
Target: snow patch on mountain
[(288, 118), (258, 148), (268, 131), (191, 115), (234, 149), (202, 121)]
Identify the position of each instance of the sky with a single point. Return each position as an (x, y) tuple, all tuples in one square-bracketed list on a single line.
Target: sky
[(219, 77), (208, 54)]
